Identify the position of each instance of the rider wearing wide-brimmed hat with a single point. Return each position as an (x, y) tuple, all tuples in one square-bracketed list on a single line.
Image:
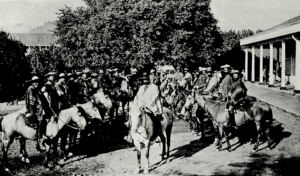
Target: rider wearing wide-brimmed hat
[(226, 81), (34, 110), (146, 99), (51, 95), (63, 92)]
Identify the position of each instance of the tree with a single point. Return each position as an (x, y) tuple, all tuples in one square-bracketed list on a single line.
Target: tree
[(14, 67), (138, 32)]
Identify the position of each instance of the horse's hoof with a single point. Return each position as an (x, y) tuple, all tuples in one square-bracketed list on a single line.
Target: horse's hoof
[(23, 159), (137, 170), (21, 155), (146, 171), (27, 160)]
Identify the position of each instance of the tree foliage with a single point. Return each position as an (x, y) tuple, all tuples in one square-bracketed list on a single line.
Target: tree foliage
[(13, 66), (232, 52), (138, 32)]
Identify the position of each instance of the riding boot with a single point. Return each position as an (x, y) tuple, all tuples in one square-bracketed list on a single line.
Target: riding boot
[(159, 119), (39, 136)]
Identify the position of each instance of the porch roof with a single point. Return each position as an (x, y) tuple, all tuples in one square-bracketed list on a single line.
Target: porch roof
[(282, 30)]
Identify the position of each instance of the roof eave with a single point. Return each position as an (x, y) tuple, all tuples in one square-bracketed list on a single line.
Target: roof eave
[(269, 35)]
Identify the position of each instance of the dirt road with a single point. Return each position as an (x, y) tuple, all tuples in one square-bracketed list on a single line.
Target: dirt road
[(189, 156)]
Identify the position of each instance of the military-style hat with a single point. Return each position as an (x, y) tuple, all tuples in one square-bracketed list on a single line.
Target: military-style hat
[(61, 75), (50, 74)]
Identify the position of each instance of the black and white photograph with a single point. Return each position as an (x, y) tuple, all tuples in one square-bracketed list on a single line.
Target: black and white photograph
[(149, 87)]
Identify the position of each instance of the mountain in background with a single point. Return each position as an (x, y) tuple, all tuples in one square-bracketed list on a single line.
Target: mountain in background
[(48, 27)]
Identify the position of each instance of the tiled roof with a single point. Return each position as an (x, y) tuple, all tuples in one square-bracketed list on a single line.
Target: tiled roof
[(35, 39)]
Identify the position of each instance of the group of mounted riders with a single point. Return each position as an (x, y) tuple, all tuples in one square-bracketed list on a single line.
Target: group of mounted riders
[(65, 90), (62, 91)]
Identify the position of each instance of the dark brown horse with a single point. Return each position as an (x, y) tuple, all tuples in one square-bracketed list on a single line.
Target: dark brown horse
[(149, 131), (257, 112)]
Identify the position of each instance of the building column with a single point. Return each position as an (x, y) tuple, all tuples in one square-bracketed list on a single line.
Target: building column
[(253, 65), (271, 75), (261, 55), (283, 66), (246, 64), (297, 65)]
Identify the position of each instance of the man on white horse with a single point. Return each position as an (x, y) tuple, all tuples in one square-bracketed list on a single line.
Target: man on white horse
[(147, 99), (34, 108)]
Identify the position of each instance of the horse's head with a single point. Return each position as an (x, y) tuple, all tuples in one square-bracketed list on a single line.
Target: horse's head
[(189, 103), (102, 99), (91, 110), (167, 90), (77, 116)]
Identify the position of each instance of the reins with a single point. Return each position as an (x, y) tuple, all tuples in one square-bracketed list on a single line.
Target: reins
[(66, 123)]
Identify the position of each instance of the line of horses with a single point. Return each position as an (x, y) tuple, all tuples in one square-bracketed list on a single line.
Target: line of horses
[(177, 102)]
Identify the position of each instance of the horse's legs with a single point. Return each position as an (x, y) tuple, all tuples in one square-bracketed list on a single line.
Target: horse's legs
[(258, 132), (220, 136), (147, 148), (267, 130), (217, 133), (63, 142), (227, 138), (48, 148), (163, 141), (168, 134), (138, 150), (23, 152), (6, 142), (54, 144)]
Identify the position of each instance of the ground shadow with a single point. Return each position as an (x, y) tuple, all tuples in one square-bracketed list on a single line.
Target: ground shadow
[(262, 164)]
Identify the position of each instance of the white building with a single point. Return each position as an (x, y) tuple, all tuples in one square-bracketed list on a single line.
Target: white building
[(282, 42)]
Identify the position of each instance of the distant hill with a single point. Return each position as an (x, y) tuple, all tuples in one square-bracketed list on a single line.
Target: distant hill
[(48, 27)]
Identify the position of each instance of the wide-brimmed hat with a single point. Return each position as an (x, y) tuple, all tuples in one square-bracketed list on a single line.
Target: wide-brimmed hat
[(209, 69), (145, 76), (85, 71), (152, 71), (186, 69), (202, 69), (94, 75), (225, 66), (70, 75), (235, 72), (35, 79), (78, 73), (50, 74), (61, 75)]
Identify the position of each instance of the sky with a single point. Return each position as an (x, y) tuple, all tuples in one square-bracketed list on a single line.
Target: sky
[(23, 15)]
